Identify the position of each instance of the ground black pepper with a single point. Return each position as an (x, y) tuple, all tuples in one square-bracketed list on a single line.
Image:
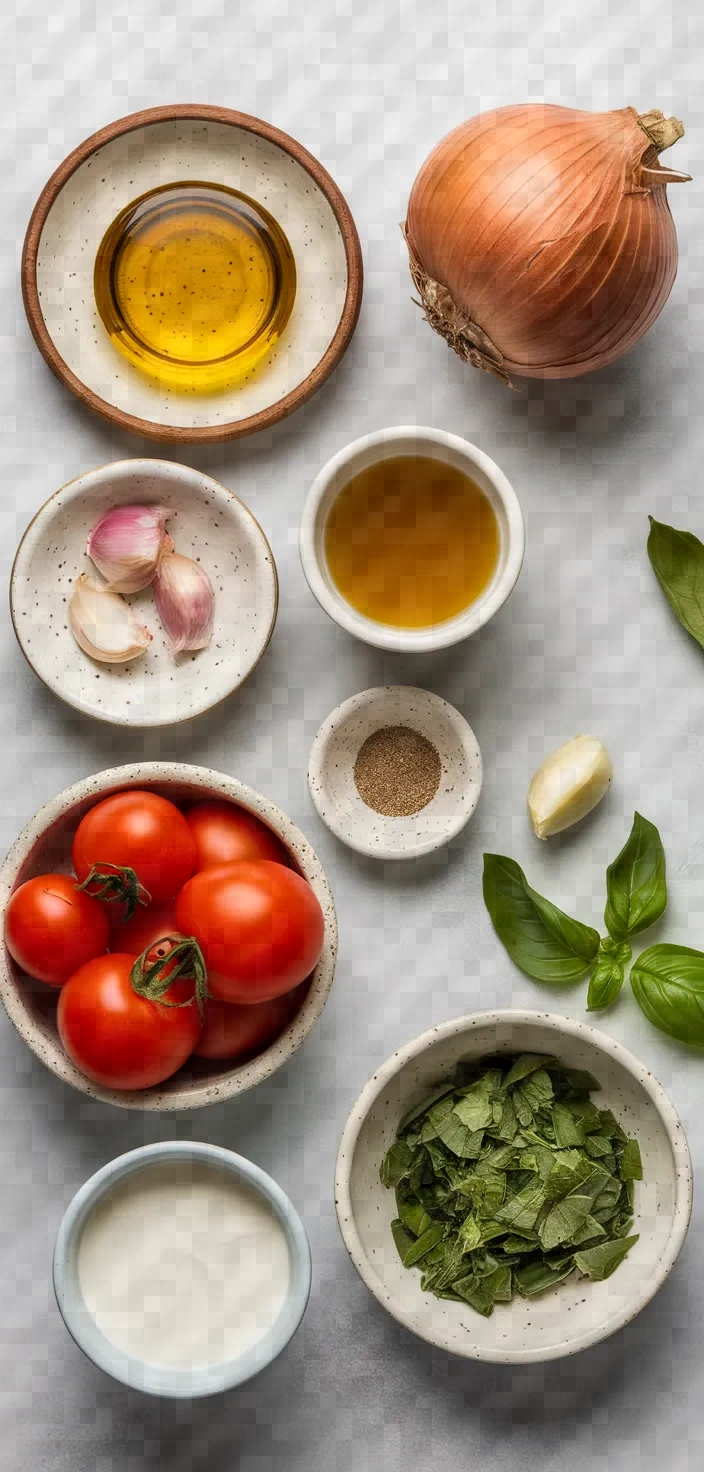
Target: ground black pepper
[(397, 771)]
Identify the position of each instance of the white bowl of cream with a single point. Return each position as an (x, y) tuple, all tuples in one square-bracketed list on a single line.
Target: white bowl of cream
[(181, 1269)]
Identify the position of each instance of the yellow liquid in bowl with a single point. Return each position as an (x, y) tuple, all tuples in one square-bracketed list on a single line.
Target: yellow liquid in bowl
[(411, 542), (194, 284)]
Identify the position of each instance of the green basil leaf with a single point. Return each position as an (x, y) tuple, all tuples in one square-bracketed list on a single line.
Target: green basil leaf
[(607, 977), (396, 1163), (525, 1064), (668, 982), (402, 1238), (677, 559), (421, 1245), (601, 1261), (474, 1108), (535, 1277), (635, 882), (630, 1165), (524, 1208), (544, 942), (563, 1220)]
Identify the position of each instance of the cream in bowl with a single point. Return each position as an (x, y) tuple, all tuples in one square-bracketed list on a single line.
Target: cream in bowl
[(411, 539), (181, 1269)]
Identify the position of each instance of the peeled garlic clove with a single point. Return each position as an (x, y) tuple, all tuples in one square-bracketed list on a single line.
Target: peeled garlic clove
[(185, 601), (127, 545), (568, 785), (104, 625)]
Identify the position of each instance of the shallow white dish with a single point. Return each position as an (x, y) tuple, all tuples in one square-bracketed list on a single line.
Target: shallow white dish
[(168, 145), (44, 847), (387, 444), (165, 1380), (208, 523), (331, 772), (576, 1314)]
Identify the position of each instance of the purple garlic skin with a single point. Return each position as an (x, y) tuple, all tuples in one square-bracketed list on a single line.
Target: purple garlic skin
[(127, 546), (185, 601)]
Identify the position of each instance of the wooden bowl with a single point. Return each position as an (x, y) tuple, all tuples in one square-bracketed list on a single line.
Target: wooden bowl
[(165, 145), (44, 846)]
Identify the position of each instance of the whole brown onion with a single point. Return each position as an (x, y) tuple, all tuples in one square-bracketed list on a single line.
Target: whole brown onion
[(540, 237)]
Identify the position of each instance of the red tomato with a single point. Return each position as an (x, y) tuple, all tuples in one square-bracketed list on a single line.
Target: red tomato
[(148, 925), (232, 1031), (225, 834), (52, 928), (117, 1038), (259, 926), (142, 831)]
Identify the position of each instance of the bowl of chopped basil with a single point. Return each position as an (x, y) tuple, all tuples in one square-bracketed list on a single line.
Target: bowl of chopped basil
[(513, 1186)]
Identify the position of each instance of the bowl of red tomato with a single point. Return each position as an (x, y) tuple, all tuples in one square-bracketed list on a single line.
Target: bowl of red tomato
[(169, 936)]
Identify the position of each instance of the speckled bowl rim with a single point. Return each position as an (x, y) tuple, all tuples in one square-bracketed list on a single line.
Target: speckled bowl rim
[(81, 484), (162, 1380), (244, 1076), (385, 636), (552, 1022), (343, 713), (236, 428)]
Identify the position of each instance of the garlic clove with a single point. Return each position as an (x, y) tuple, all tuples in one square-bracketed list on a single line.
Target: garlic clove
[(185, 602), (104, 625), (127, 545), (568, 785)]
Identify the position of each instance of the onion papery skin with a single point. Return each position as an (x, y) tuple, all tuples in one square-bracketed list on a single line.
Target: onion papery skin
[(549, 238)]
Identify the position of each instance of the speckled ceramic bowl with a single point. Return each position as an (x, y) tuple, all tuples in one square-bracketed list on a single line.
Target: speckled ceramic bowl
[(44, 846), (334, 753), (208, 523), (576, 1314), (176, 144), (165, 1380)]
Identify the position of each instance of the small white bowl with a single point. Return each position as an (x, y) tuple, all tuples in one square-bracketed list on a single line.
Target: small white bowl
[(164, 1380), (387, 444), (208, 523), (576, 1314), (44, 847), (334, 753)]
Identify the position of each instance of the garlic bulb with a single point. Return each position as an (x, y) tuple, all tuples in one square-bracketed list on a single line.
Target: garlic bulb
[(104, 625), (568, 785), (127, 545), (185, 601)]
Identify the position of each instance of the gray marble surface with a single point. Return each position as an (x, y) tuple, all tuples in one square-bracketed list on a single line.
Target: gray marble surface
[(586, 643)]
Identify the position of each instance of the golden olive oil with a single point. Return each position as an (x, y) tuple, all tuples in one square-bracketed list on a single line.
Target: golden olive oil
[(411, 541), (194, 284)]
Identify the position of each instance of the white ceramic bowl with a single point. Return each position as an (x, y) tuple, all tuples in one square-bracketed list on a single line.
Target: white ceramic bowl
[(44, 846), (576, 1314), (331, 772), (164, 1380), (166, 145), (387, 444), (208, 523)]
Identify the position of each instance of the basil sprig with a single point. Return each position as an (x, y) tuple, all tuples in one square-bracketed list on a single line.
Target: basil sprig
[(542, 940), (636, 887), (677, 559), (668, 983)]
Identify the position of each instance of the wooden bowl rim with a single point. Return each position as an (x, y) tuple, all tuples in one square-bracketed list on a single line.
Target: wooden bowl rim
[(184, 434)]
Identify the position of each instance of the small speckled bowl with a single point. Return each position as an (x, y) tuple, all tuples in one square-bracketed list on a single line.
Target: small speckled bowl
[(207, 522), (165, 1380), (44, 846), (576, 1314), (334, 753)]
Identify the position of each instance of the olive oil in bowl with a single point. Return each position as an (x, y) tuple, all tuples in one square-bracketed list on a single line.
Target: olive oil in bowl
[(194, 283), (411, 542)]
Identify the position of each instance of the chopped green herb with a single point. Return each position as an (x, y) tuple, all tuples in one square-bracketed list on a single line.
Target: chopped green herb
[(511, 1180)]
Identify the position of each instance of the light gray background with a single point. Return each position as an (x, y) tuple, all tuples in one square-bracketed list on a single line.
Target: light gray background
[(586, 643)]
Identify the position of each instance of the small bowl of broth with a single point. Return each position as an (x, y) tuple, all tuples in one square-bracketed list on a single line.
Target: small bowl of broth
[(411, 539)]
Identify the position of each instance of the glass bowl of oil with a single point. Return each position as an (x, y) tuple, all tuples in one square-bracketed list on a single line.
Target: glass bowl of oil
[(194, 284), (411, 539)]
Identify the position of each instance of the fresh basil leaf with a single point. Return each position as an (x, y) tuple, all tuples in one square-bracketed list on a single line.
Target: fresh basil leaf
[(459, 1139), (570, 1169), (607, 977), (544, 942), (630, 1164), (524, 1208), (476, 1291), (668, 982), (562, 1221), (568, 1130), (601, 1261), (635, 883), (474, 1108), (413, 1215), (525, 1064), (403, 1239), (421, 1245), (470, 1233), (396, 1163), (589, 1233), (597, 1146), (677, 559), (500, 1284)]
